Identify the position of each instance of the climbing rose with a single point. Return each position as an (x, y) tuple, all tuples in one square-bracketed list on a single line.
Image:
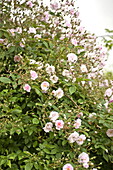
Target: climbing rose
[(83, 68), (77, 123), (68, 167), (80, 140), (109, 132), (48, 127), (72, 57), (74, 41), (33, 75), (32, 30), (27, 87), (50, 69), (59, 124), (58, 93), (85, 165), (54, 79), (53, 116), (73, 137), (108, 92), (44, 85), (17, 58), (83, 158)]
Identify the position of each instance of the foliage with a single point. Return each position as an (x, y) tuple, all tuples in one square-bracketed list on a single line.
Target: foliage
[(51, 64)]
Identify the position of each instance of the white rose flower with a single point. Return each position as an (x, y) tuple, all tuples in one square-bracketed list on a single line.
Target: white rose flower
[(109, 132), (48, 127), (54, 116), (54, 79), (44, 85), (83, 68), (73, 137), (50, 69), (58, 93), (72, 57)]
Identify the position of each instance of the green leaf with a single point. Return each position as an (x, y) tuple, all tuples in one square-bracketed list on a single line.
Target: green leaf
[(5, 80), (64, 142), (9, 163), (35, 121), (28, 166), (12, 156), (80, 101), (72, 90)]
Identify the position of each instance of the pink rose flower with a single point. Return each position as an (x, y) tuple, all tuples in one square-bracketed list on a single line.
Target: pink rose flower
[(85, 165), (74, 41), (108, 92), (83, 68), (48, 127), (77, 123), (53, 116), (109, 132), (68, 167), (17, 58), (32, 30), (30, 4), (58, 93), (72, 57), (27, 87), (59, 124), (83, 158), (80, 140), (73, 137), (44, 85), (33, 75)]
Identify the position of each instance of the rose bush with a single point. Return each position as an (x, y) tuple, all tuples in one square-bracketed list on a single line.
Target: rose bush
[(56, 104)]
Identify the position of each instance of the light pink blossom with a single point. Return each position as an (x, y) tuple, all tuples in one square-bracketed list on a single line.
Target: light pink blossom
[(85, 165), (17, 58), (72, 57), (109, 132), (54, 116), (68, 167), (77, 123), (46, 18), (19, 30), (54, 5), (73, 137), (30, 4), (83, 68), (80, 140), (74, 41), (12, 31), (108, 92), (33, 74), (83, 158), (54, 79), (66, 73), (2, 40), (48, 127), (22, 45), (27, 87), (59, 124), (72, 11), (92, 115), (68, 24), (37, 36), (44, 85), (58, 93), (32, 30), (50, 69)]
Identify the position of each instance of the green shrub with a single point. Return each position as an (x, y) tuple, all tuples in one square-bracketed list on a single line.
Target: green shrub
[(55, 102)]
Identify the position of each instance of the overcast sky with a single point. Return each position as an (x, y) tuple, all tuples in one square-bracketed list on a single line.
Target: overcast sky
[(96, 15)]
